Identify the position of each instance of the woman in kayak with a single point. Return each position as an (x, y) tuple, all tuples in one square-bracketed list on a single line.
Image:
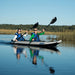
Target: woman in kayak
[(19, 36), (35, 35)]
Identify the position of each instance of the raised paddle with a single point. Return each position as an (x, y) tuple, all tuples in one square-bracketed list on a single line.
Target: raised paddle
[(53, 21)]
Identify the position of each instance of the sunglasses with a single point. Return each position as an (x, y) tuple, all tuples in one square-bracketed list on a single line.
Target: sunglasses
[(35, 30), (19, 31)]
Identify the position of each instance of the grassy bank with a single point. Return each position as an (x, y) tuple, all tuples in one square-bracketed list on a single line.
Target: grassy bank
[(8, 31), (65, 36)]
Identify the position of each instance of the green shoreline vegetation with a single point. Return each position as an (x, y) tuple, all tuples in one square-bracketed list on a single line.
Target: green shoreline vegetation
[(52, 28), (65, 33)]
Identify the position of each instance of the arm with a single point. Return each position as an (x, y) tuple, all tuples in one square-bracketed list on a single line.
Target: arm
[(41, 33), (31, 37), (25, 34), (15, 38)]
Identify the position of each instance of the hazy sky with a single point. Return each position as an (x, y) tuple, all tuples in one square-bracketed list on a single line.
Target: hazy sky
[(32, 11)]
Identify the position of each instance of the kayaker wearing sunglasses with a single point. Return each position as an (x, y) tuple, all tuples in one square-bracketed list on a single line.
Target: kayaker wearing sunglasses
[(19, 35), (35, 35)]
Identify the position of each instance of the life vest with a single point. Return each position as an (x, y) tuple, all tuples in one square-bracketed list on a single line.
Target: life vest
[(36, 37), (19, 37)]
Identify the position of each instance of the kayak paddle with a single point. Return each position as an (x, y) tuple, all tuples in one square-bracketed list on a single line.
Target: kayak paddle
[(53, 21)]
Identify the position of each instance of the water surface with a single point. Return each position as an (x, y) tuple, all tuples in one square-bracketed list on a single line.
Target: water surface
[(22, 60)]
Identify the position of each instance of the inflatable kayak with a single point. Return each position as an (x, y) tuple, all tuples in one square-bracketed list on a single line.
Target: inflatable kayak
[(37, 44)]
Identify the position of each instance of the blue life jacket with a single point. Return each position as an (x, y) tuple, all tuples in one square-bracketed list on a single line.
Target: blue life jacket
[(19, 37), (36, 37)]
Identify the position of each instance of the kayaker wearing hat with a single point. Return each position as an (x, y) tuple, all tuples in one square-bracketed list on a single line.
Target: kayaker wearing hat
[(19, 35), (35, 35)]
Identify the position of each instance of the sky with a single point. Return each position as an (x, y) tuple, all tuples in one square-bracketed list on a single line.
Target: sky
[(42, 11)]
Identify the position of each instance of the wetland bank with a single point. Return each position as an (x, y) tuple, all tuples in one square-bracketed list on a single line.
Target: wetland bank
[(65, 33)]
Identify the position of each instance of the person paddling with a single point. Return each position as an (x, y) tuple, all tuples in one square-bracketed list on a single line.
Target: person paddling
[(35, 35), (19, 35)]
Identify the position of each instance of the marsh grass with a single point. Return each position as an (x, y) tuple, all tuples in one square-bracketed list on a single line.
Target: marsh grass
[(65, 36), (7, 31)]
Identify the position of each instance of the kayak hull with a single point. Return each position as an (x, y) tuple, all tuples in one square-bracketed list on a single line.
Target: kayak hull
[(38, 44)]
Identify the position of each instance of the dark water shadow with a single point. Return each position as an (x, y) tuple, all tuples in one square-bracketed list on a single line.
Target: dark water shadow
[(4, 42)]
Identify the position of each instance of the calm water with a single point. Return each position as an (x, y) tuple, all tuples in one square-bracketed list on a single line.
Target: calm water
[(18, 60)]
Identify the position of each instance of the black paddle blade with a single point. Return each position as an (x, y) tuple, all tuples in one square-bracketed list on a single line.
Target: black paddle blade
[(35, 25), (53, 21)]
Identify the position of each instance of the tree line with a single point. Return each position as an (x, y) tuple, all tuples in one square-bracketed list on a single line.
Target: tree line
[(52, 28)]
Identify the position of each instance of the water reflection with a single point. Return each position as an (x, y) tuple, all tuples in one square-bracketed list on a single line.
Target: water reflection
[(34, 54), (49, 63), (18, 51)]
